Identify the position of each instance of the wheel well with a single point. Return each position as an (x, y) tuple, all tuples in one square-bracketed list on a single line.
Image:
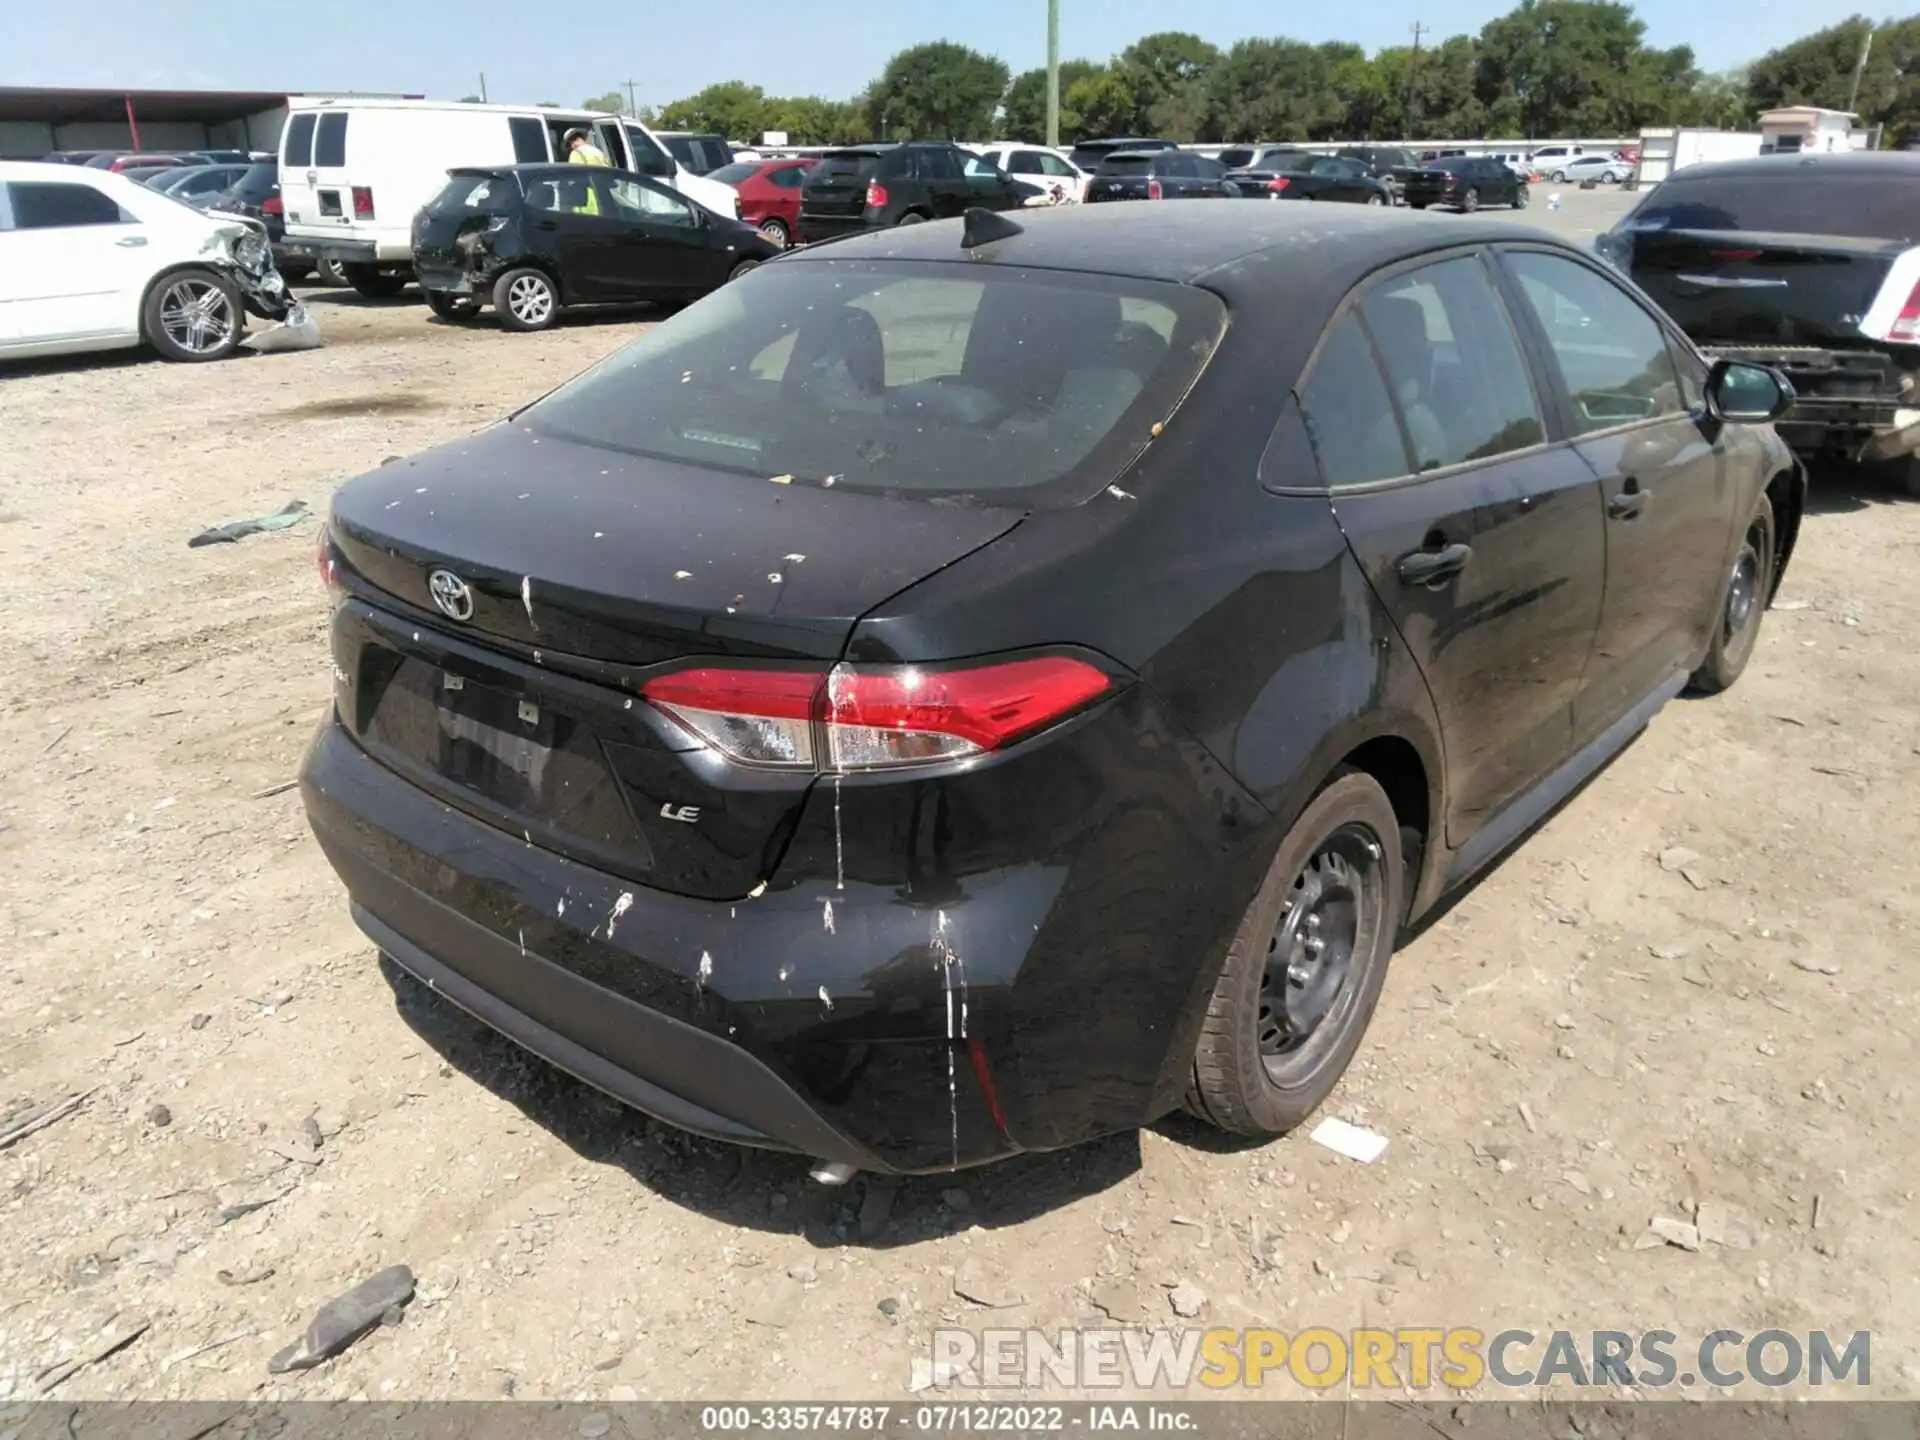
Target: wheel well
[(1396, 766), (1787, 493)]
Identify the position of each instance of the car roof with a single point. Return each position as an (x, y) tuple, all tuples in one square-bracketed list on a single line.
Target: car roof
[(877, 147), (1883, 163), (1304, 244), (54, 170)]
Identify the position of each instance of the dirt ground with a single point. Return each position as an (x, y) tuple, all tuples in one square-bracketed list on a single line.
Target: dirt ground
[(1601, 1032)]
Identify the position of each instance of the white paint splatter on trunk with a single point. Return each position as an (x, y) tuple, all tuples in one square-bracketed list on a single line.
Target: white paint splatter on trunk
[(620, 907)]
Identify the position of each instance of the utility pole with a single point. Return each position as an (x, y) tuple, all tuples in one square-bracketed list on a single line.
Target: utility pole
[(1860, 69), (483, 87), (633, 105), (1413, 79), (1053, 73)]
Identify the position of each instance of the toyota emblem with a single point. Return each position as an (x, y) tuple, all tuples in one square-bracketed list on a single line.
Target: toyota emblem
[(452, 594)]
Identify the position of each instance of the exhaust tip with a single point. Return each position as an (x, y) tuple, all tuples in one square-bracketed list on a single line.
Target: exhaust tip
[(832, 1172)]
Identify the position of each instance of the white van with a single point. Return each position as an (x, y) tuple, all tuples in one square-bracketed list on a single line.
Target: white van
[(353, 172)]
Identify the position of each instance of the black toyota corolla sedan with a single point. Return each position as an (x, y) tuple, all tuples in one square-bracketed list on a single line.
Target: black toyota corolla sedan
[(966, 690)]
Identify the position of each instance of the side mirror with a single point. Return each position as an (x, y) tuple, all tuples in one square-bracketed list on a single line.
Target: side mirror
[(1747, 394)]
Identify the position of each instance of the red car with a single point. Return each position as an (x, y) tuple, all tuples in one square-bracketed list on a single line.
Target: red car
[(769, 193)]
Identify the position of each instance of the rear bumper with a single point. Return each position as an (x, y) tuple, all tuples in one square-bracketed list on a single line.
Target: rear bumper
[(348, 250), (1856, 404), (770, 1022), (814, 228)]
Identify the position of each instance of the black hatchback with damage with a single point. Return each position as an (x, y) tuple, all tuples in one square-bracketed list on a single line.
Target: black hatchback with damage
[(971, 689)]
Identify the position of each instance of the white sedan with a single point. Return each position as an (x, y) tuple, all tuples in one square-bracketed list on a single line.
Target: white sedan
[(1603, 168), (1064, 182), (91, 260)]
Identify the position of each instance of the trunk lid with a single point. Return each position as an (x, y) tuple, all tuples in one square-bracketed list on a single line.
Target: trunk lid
[(1744, 287), (582, 568), (838, 184), (631, 561)]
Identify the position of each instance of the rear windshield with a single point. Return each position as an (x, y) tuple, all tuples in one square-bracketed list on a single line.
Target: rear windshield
[(934, 379), (842, 167), (1451, 164), (734, 174), (1127, 165), (475, 195), (259, 180), (1792, 203)]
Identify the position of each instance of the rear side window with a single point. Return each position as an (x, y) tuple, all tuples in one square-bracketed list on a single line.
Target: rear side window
[(300, 140), (470, 195), (1802, 201), (936, 164), (931, 379), (330, 140), (1349, 415), (1024, 162), (39, 205), (846, 167), (648, 157), (1236, 158), (1453, 364), (529, 140), (1613, 355)]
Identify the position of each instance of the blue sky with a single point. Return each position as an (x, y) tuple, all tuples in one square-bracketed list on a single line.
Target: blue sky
[(672, 47)]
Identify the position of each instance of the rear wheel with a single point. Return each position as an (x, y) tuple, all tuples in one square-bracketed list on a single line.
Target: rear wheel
[(742, 268), (373, 282), (328, 272), (1903, 475), (1749, 588), (193, 315), (1559, 177), (1471, 201), (452, 307), (1305, 969), (774, 231), (1520, 196), (1375, 200), (912, 217), (526, 299)]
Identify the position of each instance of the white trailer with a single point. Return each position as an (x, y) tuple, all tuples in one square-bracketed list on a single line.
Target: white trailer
[(1667, 149)]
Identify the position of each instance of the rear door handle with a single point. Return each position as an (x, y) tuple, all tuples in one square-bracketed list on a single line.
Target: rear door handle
[(1434, 567), (1628, 503)]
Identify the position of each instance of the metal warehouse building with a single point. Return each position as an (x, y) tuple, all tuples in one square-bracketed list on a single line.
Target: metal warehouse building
[(35, 121)]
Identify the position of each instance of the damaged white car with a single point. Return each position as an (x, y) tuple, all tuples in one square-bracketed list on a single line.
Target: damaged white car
[(94, 261)]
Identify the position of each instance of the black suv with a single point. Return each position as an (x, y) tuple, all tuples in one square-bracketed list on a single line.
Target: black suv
[(1465, 181), (533, 239), (1799, 262), (1159, 175), (697, 154), (870, 187), (1088, 154)]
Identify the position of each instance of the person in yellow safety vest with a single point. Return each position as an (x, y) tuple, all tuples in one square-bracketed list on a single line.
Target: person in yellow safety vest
[(582, 151)]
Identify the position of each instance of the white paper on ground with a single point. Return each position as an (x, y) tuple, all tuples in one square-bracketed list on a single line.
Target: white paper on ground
[(1349, 1140)]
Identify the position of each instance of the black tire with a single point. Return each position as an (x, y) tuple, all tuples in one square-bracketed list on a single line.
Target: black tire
[(774, 230), (912, 217), (373, 282), (1559, 177), (329, 272), (1257, 1070), (1743, 600), (293, 272), (452, 307), (1521, 195), (517, 299), (1902, 476), (1471, 201), (193, 314), (1416, 204), (742, 268)]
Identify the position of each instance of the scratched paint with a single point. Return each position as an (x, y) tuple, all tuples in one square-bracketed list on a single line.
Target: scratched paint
[(825, 998), (620, 907), (526, 599), (826, 917), (706, 969)]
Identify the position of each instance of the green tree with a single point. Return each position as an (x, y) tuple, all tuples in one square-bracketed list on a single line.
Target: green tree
[(611, 103), (1168, 74), (1103, 103), (938, 91), (1571, 67), (809, 120), (1817, 69), (1271, 90), (731, 108), (1023, 111)]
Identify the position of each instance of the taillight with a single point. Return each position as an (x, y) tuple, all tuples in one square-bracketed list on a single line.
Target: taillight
[(327, 561), (1906, 327), (876, 194), (1154, 191), (272, 206), (1278, 184), (363, 202), (1735, 254), (874, 717)]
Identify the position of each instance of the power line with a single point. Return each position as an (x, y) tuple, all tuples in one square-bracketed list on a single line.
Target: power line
[(633, 105), (1413, 72)]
